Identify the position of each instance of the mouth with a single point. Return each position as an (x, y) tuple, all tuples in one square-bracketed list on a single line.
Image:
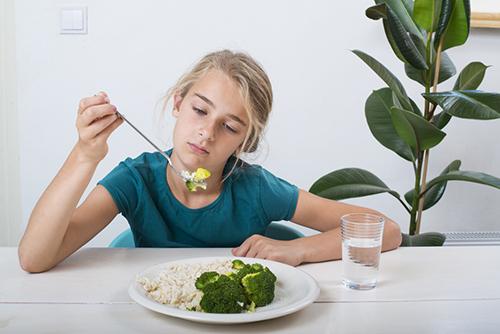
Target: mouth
[(198, 149)]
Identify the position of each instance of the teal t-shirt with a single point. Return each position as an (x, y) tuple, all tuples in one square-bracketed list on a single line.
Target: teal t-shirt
[(251, 198)]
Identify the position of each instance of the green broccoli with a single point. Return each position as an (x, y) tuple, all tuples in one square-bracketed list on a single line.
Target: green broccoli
[(238, 264), (256, 267), (225, 295), (245, 270), (205, 279), (259, 287), (248, 287)]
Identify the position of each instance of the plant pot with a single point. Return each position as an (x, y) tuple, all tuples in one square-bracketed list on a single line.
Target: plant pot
[(431, 239)]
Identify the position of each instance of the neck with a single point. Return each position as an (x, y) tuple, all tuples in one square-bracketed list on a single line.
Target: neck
[(196, 199)]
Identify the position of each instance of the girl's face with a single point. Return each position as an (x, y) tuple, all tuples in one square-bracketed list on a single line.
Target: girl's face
[(211, 123)]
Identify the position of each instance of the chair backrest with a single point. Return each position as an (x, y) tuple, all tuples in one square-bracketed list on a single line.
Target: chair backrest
[(274, 231), (123, 240), (279, 231)]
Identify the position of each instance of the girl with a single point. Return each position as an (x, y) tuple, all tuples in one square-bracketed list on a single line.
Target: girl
[(221, 107)]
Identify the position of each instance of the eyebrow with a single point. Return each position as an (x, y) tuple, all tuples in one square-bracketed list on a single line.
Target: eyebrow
[(204, 98), (233, 117)]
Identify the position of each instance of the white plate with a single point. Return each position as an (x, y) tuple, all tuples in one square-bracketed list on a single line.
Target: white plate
[(295, 290)]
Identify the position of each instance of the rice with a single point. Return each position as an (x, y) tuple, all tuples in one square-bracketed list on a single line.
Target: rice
[(175, 284)]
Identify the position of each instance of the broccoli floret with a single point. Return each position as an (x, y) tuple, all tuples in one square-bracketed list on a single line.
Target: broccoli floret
[(250, 286), (251, 307), (269, 272), (238, 264), (223, 296), (245, 270), (256, 267), (205, 279), (259, 287)]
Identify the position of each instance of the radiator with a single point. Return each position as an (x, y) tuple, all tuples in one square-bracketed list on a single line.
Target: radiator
[(477, 238)]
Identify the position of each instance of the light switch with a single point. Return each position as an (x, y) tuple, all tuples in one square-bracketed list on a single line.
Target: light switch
[(73, 20)]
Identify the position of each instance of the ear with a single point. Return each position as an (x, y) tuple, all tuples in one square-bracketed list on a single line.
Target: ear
[(177, 104)]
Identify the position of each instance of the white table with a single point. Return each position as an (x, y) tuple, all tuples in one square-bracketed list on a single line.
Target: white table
[(421, 290)]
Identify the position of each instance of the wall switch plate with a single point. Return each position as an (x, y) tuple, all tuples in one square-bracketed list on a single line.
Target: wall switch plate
[(73, 20)]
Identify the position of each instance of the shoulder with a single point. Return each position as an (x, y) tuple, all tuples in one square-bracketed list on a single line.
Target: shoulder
[(141, 168), (245, 173), (276, 197), (146, 159), (259, 178), (127, 182)]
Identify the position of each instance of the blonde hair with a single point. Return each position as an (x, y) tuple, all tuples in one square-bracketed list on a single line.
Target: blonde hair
[(255, 88)]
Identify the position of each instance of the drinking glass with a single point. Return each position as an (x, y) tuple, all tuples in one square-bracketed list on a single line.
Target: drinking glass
[(361, 246)]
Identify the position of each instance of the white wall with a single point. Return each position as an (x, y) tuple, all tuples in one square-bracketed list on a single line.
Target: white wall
[(10, 192), (136, 49)]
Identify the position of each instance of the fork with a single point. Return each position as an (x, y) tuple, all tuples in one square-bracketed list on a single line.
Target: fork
[(184, 177)]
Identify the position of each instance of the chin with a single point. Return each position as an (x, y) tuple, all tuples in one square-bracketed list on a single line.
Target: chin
[(192, 162)]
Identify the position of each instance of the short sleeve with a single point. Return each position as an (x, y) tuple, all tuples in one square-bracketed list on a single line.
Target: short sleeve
[(122, 184), (278, 197)]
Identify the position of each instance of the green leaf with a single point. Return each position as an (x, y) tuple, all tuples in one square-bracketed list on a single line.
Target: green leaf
[(432, 196), (469, 176), (349, 183), (454, 23), (416, 110), (446, 70), (380, 12), (471, 76), (404, 42), (408, 6), (403, 12), (440, 120), (473, 104), (444, 19), (376, 12), (390, 79), (378, 115), (426, 13), (415, 130), (392, 42)]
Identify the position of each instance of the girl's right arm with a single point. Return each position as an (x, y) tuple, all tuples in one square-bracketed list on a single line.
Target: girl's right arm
[(57, 228)]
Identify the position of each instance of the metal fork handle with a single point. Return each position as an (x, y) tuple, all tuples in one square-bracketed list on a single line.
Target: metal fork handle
[(152, 144)]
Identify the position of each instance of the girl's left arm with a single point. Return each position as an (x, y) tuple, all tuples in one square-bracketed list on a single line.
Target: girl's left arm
[(320, 214), (324, 215)]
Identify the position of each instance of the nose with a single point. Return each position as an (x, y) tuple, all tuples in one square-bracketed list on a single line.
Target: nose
[(207, 132)]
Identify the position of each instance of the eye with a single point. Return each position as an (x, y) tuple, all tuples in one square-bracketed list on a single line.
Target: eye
[(230, 129), (199, 111)]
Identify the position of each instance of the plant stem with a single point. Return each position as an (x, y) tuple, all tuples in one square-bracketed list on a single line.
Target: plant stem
[(428, 116), (422, 189), (418, 169), (416, 191)]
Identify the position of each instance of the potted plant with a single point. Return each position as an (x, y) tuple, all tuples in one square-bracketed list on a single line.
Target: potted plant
[(419, 33)]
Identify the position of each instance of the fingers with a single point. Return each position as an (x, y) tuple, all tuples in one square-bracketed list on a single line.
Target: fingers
[(96, 117), (97, 99), (96, 112), (104, 134), (243, 249), (258, 246), (252, 252), (98, 126), (251, 246)]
